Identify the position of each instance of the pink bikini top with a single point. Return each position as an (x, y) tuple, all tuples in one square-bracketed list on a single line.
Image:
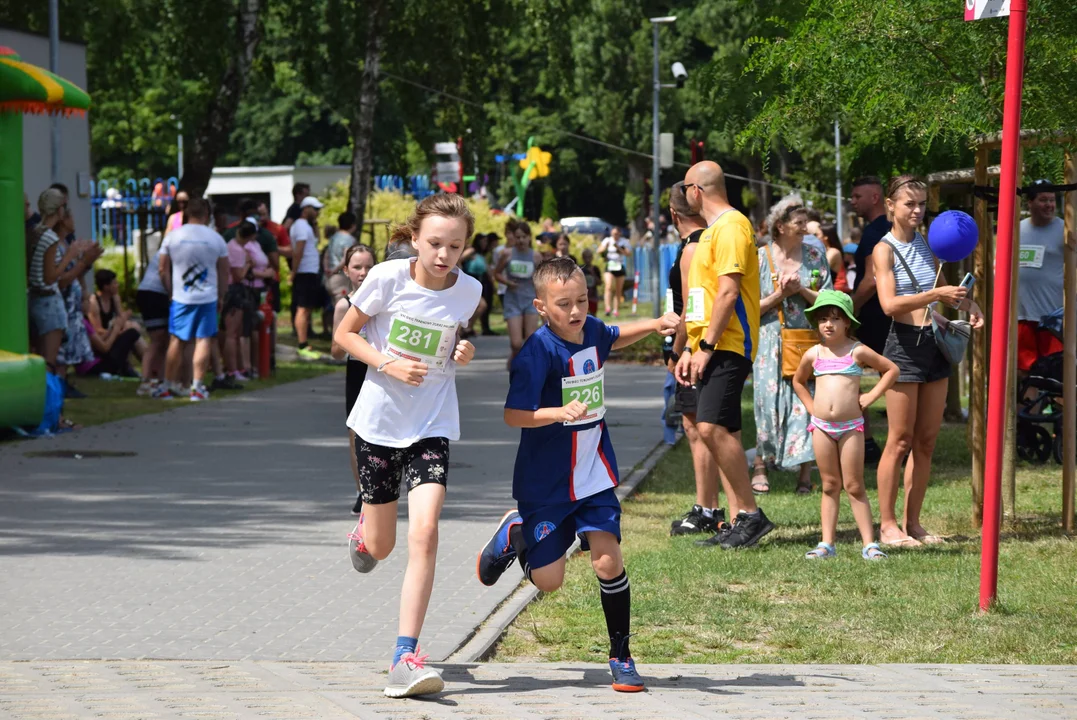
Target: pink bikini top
[(844, 365)]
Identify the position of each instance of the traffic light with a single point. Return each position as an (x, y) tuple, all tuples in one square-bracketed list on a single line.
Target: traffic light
[(697, 150)]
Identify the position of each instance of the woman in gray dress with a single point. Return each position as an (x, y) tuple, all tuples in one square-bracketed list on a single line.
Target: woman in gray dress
[(791, 274)]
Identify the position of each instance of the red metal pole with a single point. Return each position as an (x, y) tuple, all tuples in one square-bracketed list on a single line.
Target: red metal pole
[(1000, 319)]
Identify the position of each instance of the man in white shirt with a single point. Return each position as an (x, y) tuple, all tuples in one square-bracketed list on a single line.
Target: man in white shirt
[(1039, 278), (193, 264), (306, 285)]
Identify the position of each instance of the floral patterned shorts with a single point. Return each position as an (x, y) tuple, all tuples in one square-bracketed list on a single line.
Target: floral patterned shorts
[(381, 468)]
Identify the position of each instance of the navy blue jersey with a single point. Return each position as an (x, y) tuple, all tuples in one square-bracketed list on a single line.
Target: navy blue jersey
[(560, 462)]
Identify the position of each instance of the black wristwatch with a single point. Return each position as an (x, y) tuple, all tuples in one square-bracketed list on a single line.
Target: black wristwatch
[(704, 345)]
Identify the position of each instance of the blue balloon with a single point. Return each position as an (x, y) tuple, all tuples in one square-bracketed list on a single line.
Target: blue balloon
[(953, 236)]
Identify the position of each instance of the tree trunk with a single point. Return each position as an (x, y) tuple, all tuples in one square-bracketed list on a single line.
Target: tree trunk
[(211, 137), (637, 183), (363, 123)]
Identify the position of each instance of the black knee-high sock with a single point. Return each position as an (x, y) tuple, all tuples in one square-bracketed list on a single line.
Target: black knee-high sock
[(516, 537), (617, 607)]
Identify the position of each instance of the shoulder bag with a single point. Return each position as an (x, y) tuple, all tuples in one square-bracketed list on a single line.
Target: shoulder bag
[(795, 342)]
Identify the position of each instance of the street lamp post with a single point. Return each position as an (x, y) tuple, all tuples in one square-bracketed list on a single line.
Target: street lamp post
[(655, 192)]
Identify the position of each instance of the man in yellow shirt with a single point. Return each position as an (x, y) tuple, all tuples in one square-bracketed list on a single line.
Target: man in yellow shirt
[(722, 322)]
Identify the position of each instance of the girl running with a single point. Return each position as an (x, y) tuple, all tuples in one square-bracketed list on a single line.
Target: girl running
[(407, 412), (837, 415), (615, 249), (358, 259), (515, 266)]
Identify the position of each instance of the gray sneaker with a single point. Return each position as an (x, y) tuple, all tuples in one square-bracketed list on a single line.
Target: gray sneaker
[(362, 561), (411, 677)]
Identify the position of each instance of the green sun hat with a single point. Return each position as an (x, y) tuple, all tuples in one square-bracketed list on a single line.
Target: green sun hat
[(833, 298)]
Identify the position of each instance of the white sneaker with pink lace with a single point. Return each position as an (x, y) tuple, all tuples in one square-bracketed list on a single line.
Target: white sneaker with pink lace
[(411, 677)]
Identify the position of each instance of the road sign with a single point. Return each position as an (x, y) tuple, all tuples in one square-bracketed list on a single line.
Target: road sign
[(445, 148), (447, 171), (983, 9)]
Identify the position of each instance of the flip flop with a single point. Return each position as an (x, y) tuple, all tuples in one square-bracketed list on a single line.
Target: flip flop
[(932, 540), (903, 542)]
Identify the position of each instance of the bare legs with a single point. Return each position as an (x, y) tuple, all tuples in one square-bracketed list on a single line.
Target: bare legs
[(726, 449), (915, 414), (706, 470), (841, 465)]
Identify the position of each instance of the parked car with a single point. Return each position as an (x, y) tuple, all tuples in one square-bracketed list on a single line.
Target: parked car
[(587, 226)]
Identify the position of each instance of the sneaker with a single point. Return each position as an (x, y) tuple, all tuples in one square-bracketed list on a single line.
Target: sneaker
[(163, 391), (498, 554), (625, 677), (695, 521), (747, 530), (308, 353), (146, 388), (357, 508), (362, 561), (719, 537), (240, 377), (199, 393), (410, 677)]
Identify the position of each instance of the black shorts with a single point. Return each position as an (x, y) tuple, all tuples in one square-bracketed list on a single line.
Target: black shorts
[(307, 291), (720, 390), (154, 307), (381, 468), (685, 399), (914, 351), (242, 298), (353, 383), (617, 273)]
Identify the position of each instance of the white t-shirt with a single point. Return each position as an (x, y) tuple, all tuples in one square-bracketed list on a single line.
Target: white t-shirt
[(194, 250), (302, 231), (1040, 278), (408, 320)]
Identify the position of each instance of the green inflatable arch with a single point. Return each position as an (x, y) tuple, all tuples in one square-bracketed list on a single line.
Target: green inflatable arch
[(24, 88)]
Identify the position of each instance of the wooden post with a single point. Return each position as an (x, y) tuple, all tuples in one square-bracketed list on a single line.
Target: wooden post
[(1009, 449), (1069, 357), (981, 293)]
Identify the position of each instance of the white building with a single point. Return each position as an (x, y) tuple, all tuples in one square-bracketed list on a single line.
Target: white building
[(272, 183), (74, 130)]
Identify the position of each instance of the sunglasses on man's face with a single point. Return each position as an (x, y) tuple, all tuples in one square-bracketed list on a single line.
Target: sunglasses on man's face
[(684, 188)]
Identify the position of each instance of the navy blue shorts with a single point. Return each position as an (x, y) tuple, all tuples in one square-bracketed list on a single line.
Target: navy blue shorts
[(550, 530)]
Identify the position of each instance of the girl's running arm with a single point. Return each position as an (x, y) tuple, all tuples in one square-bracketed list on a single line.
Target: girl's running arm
[(347, 336), (634, 332), (339, 311), (888, 372), (801, 378)]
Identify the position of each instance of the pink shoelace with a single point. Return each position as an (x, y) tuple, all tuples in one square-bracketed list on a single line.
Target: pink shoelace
[(417, 660), (360, 545)]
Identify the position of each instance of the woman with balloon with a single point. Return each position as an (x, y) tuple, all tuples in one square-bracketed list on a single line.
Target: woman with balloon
[(909, 283)]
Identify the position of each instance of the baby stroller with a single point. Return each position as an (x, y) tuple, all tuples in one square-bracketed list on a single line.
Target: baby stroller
[(1041, 408)]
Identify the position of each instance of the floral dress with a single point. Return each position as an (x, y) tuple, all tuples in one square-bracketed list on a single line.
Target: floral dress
[(76, 348), (781, 420)]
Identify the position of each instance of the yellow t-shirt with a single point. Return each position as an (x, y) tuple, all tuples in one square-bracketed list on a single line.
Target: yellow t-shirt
[(726, 247)]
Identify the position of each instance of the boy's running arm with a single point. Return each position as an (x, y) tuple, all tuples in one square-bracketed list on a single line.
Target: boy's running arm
[(887, 370), (545, 416), (801, 378), (634, 332)]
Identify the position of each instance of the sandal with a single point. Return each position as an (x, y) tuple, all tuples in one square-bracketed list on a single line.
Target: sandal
[(760, 483), (804, 489), (822, 551), (872, 552), (904, 542)]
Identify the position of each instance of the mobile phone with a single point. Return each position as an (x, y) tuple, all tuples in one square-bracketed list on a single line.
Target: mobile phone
[(968, 281)]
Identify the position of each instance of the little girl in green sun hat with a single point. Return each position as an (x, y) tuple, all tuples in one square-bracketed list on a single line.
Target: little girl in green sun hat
[(837, 415)]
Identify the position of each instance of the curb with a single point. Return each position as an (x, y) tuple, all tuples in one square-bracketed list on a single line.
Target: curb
[(479, 645)]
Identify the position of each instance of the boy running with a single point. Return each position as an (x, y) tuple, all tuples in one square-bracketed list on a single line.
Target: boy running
[(566, 471), (407, 412)]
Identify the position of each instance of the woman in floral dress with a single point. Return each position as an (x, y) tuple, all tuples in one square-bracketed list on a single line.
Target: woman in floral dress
[(799, 271)]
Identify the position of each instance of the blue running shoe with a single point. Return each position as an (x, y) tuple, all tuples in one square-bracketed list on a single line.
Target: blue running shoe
[(625, 677), (498, 554)]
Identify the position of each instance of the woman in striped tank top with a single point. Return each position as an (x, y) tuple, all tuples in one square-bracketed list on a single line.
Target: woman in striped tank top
[(915, 404)]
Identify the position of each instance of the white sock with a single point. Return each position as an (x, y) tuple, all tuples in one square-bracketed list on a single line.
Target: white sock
[(708, 512)]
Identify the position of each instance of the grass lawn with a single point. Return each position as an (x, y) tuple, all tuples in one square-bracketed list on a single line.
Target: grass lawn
[(768, 605), (116, 400)]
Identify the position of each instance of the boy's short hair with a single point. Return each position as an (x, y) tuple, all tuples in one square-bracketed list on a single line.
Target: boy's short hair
[(558, 268)]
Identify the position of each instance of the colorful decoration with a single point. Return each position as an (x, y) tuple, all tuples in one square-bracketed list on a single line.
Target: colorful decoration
[(953, 236), (26, 88), (536, 163)]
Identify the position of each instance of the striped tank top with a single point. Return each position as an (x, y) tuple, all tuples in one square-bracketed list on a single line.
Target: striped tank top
[(920, 260)]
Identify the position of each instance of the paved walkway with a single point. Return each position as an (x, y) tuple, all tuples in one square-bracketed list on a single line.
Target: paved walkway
[(223, 536), (330, 691)]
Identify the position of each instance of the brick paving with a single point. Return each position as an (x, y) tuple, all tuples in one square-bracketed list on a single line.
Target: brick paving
[(61, 690)]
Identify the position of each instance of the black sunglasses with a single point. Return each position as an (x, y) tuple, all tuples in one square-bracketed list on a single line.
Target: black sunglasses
[(684, 188)]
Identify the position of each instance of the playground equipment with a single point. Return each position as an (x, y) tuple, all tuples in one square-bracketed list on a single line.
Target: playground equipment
[(24, 88)]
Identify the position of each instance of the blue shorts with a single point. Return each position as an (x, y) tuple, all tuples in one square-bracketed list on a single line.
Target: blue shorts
[(47, 313), (550, 530), (193, 321), (516, 303)]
